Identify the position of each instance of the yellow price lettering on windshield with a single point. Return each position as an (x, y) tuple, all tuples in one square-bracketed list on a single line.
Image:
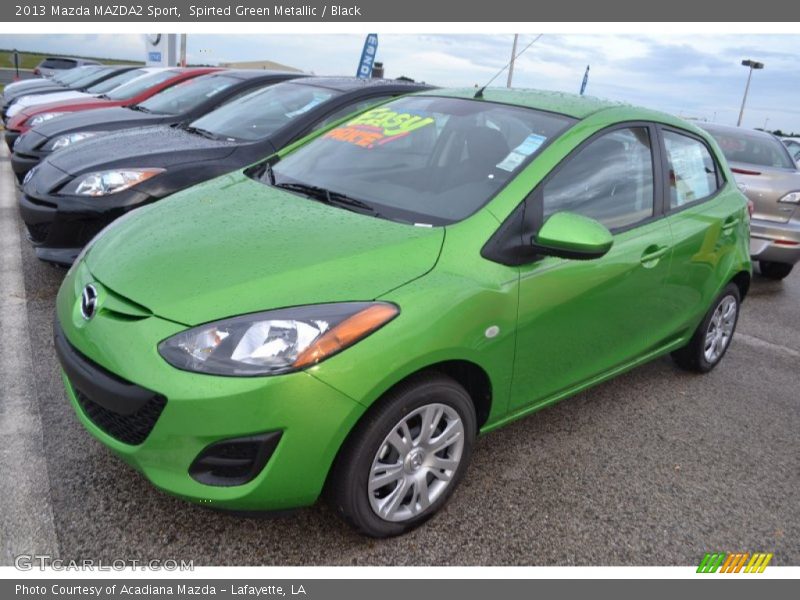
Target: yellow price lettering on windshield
[(378, 126)]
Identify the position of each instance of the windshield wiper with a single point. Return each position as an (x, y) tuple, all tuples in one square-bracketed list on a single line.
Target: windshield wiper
[(204, 132), (140, 108), (104, 97), (327, 196)]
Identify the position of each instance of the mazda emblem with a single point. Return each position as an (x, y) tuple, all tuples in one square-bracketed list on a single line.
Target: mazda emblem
[(88, 302)]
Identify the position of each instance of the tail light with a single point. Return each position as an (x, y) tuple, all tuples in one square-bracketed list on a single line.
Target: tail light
[(37, 72)]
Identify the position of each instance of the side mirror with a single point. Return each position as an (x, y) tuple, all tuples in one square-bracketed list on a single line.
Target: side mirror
[(570, 235)]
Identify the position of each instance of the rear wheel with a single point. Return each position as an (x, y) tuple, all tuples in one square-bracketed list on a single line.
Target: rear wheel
[(405, 458), (713, 336), (774, 270)]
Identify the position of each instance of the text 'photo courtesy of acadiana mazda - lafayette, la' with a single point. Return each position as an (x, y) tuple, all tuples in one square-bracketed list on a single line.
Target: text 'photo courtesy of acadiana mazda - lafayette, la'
[(345, 317), (178, 104), (75, 192), (770, 178)]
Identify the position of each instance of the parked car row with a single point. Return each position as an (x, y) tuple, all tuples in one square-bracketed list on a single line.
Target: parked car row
[(331, 286)]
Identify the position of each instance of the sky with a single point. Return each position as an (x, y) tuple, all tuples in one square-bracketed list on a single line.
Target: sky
[(688, 75)]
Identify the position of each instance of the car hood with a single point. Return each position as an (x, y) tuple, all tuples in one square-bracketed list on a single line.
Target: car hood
[(36, 99), (159, 146), (104, 119), (233, 246)]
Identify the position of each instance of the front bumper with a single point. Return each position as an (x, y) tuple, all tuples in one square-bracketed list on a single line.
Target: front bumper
[(775, 242), (22, 163), (10, 137), (59, 227), (198, 410)]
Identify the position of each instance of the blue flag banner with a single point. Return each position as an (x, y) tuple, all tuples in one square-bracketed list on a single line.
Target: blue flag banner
[(585, 80), (367, 56)]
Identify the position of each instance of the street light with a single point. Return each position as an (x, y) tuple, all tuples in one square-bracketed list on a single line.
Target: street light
[(753, 65)]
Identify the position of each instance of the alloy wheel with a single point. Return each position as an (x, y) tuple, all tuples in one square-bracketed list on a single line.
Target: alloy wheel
[(416, 462), (720, 329)]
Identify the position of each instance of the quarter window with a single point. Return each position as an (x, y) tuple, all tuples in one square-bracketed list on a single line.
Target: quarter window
[(692, 170), (609, 180)]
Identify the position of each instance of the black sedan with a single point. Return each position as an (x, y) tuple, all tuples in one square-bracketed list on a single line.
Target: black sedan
[(91, 77), (184, 102), (75, 192)]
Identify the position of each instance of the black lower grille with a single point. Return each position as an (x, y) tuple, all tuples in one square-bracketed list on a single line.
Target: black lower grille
[(131, 429), (37, 232)]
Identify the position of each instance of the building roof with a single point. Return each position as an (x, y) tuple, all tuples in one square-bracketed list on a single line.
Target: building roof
[(260, 64)]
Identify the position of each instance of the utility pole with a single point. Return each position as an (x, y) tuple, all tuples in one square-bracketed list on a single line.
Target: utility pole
[(511, 64), (753, 65)]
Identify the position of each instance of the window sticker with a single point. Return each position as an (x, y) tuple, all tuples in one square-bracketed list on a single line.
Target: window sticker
[(311, 104), (689, 171), (528, 146), (378, 126)]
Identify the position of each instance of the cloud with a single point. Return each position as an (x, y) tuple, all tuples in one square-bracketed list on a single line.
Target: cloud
[(691, 75)]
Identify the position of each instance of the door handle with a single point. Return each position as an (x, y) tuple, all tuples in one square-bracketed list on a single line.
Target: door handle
[(729, 224), (652, 254)]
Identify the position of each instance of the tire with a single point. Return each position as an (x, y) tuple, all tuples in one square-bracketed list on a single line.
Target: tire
[(354, 487), (696, 355), (774, 270)]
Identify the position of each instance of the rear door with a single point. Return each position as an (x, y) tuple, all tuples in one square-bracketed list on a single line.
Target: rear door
[(707, 218)]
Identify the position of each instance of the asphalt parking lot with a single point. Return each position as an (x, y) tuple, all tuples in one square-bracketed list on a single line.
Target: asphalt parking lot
[(654, 468)]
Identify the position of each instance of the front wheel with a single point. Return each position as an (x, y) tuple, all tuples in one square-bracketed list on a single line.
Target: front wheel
[(713, 336), (405, 458), (774, 270)]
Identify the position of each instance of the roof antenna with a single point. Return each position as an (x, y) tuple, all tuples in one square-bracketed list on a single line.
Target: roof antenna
[(479, 93)]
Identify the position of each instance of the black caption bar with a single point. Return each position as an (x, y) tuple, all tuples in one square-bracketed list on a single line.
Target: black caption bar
[(383, 589), (399, 11)]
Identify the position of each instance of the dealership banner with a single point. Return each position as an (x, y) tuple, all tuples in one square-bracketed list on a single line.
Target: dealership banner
[(406, 11), (383, 589)]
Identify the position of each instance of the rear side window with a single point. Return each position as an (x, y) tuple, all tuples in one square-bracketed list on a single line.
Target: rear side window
[(609, 180), (58, 63), (692, 170)]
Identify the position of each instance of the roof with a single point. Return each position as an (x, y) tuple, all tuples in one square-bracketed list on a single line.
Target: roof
[(733, 130), (348, 84), (571, 105)]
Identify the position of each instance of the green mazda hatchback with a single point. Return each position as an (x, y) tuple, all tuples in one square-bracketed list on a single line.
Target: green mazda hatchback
[(344, 318)]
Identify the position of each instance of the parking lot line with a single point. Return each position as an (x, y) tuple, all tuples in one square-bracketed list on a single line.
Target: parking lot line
[(26, 515)]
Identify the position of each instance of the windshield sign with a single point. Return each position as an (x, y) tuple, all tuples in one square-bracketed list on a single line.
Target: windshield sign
[(419, 159)]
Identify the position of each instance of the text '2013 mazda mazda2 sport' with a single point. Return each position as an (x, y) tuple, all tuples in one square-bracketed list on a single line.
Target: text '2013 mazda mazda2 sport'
[(345, 317)]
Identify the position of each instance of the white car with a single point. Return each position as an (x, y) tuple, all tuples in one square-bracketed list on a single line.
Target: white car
[(96, 90)]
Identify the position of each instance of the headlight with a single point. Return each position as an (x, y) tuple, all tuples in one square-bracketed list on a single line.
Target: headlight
[(39, 119), (791, 198), (104, 183), (63, 141), (277, 341), (16, 142)]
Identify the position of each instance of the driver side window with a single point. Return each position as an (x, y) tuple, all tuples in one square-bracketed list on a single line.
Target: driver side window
[(609, 180)]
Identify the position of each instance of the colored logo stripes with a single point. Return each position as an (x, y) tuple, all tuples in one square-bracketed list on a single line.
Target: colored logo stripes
[(734, 562)]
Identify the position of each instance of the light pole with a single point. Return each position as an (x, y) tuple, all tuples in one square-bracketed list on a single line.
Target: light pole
[(511, 64), (753, 65)]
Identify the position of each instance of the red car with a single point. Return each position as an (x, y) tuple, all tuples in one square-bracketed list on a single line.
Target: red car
[(133, 92)]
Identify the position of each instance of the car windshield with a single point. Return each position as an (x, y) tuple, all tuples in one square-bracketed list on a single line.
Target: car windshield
[(258, 115), (87, 79), (754, 149), (422, 159), (138, 85), (68, 77), (187, 95), (115, 81)]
